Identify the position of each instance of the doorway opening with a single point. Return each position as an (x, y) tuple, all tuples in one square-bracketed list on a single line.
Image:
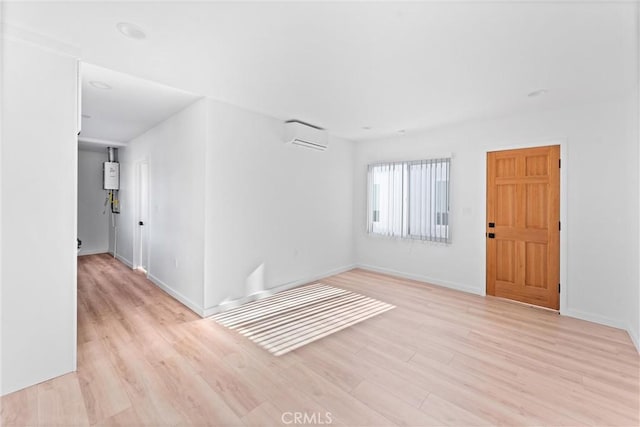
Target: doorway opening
[(115, 110)]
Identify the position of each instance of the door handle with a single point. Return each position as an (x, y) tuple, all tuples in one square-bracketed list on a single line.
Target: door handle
[(140, 223), (491, 235)]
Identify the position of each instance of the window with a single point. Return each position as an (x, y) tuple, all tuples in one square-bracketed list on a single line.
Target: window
[(410, 199)]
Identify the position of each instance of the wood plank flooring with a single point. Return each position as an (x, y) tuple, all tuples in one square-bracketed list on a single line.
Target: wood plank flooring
[(440, 358), (296, 317)]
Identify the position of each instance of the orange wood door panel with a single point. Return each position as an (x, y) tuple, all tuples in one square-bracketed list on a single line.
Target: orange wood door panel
[(523, 215)]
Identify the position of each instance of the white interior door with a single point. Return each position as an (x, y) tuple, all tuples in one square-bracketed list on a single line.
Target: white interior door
[(141, 249)]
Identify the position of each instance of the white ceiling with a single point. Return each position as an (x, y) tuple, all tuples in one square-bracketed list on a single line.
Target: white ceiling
[(345, 66), (129, 108)]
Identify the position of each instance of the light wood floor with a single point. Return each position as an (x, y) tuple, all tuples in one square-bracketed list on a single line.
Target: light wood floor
[(440, 358)]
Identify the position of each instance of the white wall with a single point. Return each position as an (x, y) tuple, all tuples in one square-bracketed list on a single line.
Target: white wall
[(175, 152), (233, 209), (93, 220), (634, 329), (39, 165), (601, 231), (277, 214)]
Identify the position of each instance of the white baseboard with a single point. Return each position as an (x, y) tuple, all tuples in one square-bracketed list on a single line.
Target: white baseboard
[(177, 295), (216, 309), (123, 260), (84, 252), (635, 339), (421, 278), (210, 311), (166, 288), (590, 317), (595, 318), (607, 321)]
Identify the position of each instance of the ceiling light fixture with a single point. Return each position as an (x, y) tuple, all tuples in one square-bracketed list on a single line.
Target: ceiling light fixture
[(131, 31), (99, 85), (538, 92)]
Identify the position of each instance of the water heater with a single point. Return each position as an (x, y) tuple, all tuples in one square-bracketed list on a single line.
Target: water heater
[(111, 176)]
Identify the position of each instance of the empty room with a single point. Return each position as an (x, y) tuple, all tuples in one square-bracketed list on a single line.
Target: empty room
[(320, 213)]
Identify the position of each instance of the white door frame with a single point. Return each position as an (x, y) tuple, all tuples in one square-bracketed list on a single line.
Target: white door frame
[(564, 157), (137, 246)]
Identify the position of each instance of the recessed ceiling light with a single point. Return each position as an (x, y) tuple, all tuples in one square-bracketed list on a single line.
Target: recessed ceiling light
[(99, 85), (86, 116), (537, 93), (132, 31)]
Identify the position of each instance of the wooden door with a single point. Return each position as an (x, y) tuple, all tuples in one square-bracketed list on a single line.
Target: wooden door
[(523, 225)]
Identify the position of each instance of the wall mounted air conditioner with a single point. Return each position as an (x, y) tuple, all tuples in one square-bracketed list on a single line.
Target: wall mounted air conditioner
[(305, 135)]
